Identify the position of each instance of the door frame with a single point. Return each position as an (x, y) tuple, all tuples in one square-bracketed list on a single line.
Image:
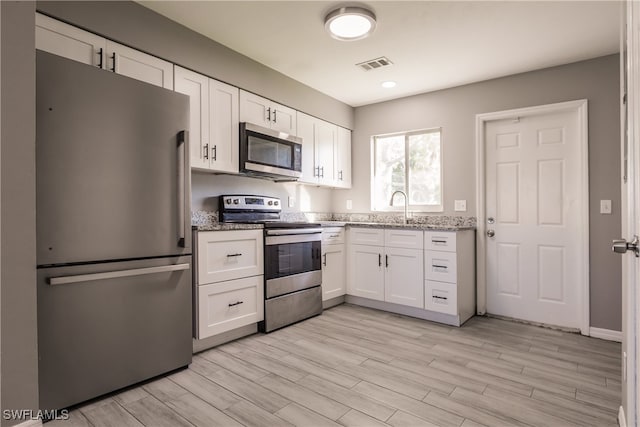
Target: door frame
[(581, 106)]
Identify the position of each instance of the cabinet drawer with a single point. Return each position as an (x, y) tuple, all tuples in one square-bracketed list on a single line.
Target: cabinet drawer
[(228, 305), (440, 240), (332, 235), (440, 266), (441, 297), (228, 255), (398, 238), (366, 236)]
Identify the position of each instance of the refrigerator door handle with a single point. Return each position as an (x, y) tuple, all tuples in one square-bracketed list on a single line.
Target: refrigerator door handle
[(66, 280), (184, 190)]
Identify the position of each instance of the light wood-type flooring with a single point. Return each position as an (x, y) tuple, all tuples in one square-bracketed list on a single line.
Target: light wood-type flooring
[(354, 366)]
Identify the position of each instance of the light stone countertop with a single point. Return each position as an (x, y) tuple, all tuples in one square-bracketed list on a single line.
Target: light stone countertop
[(225, 226), (397, 225)]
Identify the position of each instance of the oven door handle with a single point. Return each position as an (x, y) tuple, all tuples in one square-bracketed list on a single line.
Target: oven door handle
[(289, 231)]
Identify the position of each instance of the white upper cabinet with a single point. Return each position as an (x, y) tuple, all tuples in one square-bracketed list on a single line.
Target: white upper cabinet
[(139, 65), (196, 87), (224, 126), (70, 42), (73, 43), (214, 121), (343, 159), (264, 112), (325, 143), (318, 147)]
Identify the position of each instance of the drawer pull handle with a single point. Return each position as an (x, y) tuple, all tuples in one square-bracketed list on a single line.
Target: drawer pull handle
[(233, 304), (439, 241), (437, 297), (440, 266), (334, 235), (233, 255)]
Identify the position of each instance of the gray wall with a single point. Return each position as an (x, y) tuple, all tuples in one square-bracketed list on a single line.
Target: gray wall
[(205, 187), (19, 364), (455, 109), (143, 29)]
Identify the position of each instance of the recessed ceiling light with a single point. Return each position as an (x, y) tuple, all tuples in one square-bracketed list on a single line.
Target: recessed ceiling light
[(350, 23), (389, 84)]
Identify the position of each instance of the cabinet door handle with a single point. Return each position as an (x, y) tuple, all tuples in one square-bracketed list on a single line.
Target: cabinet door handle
[(324, 260), (100, 58), (268, 114), (206, 151), (386, 261), (322, 173), (233, 255), (340, 175), (215, 152), (233, 304), (114, 62), (275, 119), (379, 260)]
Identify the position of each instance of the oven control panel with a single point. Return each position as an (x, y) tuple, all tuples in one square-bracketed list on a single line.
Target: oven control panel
[(238, 202)]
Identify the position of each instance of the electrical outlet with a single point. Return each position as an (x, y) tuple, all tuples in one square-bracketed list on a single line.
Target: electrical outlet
[(292, 201), (605, 206), (460, 205), (349, 204)]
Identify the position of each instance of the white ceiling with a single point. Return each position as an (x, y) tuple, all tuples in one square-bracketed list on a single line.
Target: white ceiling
[(433, 45)]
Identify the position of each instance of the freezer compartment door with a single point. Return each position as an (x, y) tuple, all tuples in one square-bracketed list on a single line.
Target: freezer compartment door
[(106, 326), (112, 166)]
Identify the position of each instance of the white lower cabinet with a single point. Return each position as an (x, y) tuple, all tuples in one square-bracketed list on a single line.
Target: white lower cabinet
[(403, 277), (228, 305), (229, 281), (432, 270), (334, 278), (386, 273), (366, 272), (449, 264)]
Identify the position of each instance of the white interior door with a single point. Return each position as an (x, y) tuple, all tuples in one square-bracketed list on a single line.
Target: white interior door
[(535, 196), (630, 132)]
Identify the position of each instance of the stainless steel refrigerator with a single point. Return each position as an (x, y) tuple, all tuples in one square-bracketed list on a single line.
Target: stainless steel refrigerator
[(113, 231)]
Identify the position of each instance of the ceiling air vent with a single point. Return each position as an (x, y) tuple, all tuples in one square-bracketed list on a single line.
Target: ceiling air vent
[(372, 64)]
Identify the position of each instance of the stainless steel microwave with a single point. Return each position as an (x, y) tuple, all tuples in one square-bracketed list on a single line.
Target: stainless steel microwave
[(269, 154)]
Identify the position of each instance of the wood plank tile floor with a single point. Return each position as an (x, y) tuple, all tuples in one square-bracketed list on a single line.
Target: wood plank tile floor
[(354, 366)]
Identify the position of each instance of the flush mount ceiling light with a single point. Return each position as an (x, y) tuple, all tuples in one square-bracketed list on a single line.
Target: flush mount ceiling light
[(350, 23), (388, 84)]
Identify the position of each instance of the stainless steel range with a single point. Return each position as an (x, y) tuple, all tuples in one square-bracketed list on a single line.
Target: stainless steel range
[(292, 259)]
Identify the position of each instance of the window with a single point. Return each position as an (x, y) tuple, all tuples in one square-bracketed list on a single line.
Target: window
[(410, 162)]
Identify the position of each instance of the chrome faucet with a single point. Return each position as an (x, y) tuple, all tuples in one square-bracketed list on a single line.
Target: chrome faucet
[(406, 203)]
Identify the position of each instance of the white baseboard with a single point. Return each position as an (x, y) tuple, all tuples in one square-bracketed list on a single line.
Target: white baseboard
[(622, 420), (606, 334)]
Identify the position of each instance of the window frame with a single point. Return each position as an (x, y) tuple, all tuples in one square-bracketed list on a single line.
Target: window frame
[(399, 207)]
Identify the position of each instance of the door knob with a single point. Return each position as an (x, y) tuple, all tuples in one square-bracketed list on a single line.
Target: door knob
[(622, 246), (491, 233)]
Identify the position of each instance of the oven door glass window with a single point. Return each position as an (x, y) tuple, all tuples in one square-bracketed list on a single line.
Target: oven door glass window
[(269, 152), (287, 259)]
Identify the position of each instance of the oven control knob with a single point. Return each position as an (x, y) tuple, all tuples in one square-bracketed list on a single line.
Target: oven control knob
[(236, 201), (228, 201), (270, 202), (275, 203)]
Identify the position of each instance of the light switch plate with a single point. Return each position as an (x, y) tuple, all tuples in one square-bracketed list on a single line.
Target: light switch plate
[(349, 204), (605, 206), (292, 201), (460, 205)]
